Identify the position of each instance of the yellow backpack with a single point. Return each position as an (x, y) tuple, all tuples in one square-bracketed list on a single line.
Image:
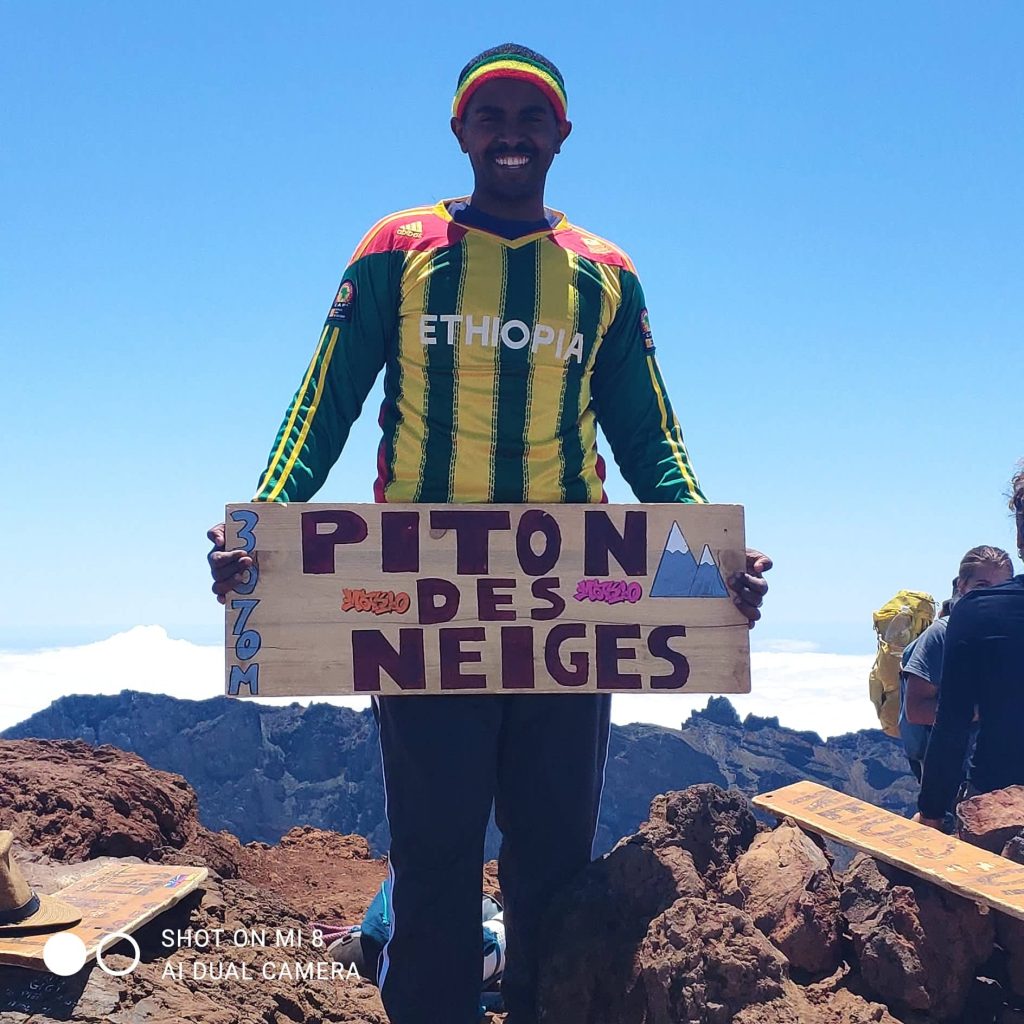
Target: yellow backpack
[(900, 620)]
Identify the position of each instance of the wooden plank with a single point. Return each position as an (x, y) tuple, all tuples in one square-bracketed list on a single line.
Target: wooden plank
[(955, 865), (486, 598), (116, 898)]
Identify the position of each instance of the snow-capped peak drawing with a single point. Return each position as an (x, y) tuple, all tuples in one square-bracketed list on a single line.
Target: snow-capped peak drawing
[(681, 575), (676, 540)]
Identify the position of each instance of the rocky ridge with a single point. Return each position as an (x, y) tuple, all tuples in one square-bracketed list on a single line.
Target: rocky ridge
[(259, 769), (702, 915)]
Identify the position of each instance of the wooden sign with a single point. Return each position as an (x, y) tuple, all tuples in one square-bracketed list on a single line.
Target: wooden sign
[(396, 599), (955, 865), (114, 898)]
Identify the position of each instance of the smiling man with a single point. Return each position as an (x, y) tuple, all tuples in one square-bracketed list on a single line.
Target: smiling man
[(506, 334)]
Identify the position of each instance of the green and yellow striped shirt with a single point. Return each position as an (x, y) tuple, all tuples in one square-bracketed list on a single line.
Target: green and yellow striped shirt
[(500, 358)]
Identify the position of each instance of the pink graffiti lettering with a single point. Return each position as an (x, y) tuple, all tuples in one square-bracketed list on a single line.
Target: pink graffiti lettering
[(609, 591)]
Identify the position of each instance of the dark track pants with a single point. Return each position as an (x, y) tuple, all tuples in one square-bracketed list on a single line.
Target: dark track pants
[(540, 758)]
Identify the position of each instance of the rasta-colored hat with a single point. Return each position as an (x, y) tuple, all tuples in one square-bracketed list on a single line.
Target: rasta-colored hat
[(21, 907), (511, 61)]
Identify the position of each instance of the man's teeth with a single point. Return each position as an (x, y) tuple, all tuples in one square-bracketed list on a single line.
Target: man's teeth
[(512, 161)]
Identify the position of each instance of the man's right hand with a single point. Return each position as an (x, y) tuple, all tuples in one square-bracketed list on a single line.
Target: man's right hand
[(228, 568)]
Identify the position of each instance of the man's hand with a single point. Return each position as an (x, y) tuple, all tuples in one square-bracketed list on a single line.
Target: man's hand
[(935, 823), (227, 567), (750, 587)]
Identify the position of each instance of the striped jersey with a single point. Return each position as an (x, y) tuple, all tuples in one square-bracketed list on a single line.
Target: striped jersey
[(500, 358)]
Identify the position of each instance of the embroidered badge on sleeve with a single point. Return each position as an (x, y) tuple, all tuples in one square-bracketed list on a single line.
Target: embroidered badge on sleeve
[(344, 301), (645, 333)]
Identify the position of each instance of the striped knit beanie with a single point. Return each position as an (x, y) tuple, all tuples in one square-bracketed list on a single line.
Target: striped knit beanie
[(511, 61)]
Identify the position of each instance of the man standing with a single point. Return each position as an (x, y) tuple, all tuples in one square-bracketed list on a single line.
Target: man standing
[(506, 334), (983, 669)]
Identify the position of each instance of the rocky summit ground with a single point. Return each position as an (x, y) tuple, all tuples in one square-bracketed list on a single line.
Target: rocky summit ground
[(702, 916)]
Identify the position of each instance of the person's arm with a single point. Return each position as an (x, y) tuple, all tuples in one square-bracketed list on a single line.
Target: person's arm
[(634, 411), (347, 359), (633, 407), (943, 765), (921, 699), (922, 669)]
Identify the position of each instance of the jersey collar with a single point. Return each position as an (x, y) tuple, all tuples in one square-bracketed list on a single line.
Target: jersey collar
[(441, 209)]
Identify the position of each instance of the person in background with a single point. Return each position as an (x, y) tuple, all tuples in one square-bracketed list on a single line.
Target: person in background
[(983, 669), (915, 732)]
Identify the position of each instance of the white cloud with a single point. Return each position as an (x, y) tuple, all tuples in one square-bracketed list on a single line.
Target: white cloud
[(144, 658), (826, 693), (786, 646), (823, 693)]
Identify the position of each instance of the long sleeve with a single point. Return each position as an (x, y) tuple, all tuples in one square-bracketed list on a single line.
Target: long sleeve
[(634, 410), (943, 766), (347, 359)]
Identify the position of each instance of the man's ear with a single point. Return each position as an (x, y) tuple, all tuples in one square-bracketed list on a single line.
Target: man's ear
[(456, 125), (564, 130)]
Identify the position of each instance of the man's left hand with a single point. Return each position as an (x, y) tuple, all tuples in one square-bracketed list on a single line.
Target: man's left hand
[(750, 587)]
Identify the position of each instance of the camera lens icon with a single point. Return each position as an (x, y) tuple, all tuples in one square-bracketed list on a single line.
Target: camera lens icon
[(65, 954), (108, 940)]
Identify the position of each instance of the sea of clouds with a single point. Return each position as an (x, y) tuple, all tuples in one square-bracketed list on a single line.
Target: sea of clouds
[(804, 688)]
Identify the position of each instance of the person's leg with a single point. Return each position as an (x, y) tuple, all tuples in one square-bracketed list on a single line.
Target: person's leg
[(550, 778), (439, 756)]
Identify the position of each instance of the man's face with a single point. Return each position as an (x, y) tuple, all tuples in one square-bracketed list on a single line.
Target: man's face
[(511, 135), (987, 575)]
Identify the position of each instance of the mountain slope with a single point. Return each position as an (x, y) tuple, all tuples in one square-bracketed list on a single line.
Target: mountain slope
[(258, 770)]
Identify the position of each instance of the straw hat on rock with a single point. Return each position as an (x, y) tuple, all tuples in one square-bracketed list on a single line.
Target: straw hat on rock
[(23, 909)]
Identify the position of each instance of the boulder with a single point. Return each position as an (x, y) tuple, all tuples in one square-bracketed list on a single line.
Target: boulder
[(917, 946), (594, 928), (991, 820), (713, 825), (785, 883), (704, 963)]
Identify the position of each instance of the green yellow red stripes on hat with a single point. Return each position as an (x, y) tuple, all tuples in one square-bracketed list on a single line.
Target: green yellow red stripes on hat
[(508, 66)]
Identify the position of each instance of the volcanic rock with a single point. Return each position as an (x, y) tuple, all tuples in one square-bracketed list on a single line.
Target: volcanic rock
[(917, 946), (785, 883), (641, 937), (704, 962), (595, 926), (73, 801), (328, 877), (991, 820), (712, 825)]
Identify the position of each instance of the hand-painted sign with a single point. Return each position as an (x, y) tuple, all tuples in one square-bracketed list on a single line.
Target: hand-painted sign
[(949, 862), (114, 898), (397, 599)]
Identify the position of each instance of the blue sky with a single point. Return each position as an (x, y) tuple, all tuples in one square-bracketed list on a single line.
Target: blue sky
[(824, 202)]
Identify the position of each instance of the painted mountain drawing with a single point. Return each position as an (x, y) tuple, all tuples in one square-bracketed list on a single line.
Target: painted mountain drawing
[(681, 575)]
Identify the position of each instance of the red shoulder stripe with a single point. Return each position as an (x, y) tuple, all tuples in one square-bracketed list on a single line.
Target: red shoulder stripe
[(600, 250), (409, 230)]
